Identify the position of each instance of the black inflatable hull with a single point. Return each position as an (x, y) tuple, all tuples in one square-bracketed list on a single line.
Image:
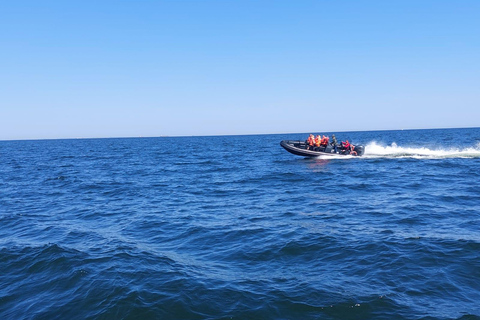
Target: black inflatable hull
[(299, 148)]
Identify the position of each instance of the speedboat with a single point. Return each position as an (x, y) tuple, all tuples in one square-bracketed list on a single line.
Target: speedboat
[(300, 148)]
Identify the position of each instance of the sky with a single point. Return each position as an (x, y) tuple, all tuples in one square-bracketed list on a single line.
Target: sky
[(91, 69)]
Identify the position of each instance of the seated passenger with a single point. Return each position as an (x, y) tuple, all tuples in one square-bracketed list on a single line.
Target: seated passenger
[(324, 141), (352, 150), (310, 141), (346, 146), (318, 141)]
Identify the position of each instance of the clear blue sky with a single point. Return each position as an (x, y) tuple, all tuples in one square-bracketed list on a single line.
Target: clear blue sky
[(149, 68)]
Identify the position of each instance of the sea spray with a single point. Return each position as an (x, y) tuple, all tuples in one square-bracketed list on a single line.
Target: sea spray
[(376, 150)]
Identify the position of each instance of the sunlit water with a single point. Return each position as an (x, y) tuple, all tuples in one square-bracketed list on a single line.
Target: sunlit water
[(237, 228)]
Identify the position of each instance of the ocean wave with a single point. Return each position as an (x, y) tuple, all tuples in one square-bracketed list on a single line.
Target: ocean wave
[(228, 228)]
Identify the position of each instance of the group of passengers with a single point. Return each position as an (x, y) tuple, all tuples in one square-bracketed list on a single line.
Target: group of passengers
[(317, 141), (313, 142)]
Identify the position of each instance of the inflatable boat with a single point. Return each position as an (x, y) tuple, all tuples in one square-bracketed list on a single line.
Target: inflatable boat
[(300, 148)]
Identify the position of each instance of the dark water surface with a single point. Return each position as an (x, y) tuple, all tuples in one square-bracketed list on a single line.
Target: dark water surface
[(235, 227)]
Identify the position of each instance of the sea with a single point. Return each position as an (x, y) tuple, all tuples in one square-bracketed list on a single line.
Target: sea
[(235, 227)]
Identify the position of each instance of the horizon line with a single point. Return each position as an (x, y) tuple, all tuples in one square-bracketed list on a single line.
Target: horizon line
[(228, 135)]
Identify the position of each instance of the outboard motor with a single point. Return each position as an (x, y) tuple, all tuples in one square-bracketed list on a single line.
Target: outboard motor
[(360, 150)]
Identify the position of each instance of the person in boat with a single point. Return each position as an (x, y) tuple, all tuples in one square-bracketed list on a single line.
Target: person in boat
[(348, 148), (307, 141), (318, 141), (324, 141), (310, 141), (345, 146), (352, 150), (334, 143)]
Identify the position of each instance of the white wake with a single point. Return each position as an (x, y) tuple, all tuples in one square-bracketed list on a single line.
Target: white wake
[(375, 150)]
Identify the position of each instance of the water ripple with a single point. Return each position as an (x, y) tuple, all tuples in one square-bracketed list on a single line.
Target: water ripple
[(228, 228)]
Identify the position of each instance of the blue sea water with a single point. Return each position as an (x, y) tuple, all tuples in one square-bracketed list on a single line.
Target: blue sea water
[(234, 227)]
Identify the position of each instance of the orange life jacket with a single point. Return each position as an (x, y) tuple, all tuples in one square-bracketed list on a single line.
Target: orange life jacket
[(324, 141), (310, 140), (318, 141)]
